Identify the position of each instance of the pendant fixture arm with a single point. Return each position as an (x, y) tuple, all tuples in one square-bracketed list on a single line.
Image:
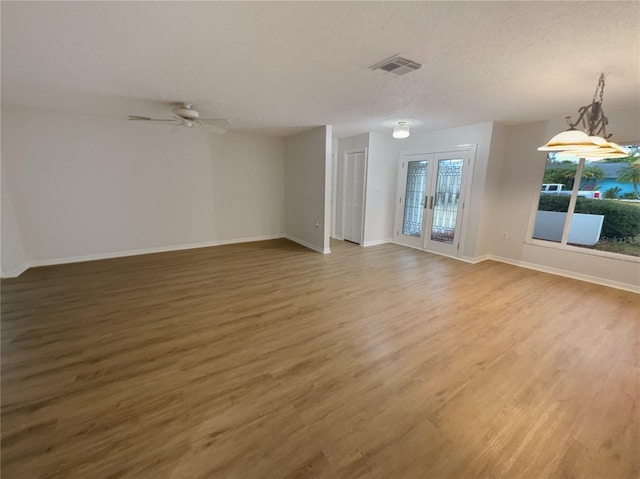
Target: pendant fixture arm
[(592, 117)]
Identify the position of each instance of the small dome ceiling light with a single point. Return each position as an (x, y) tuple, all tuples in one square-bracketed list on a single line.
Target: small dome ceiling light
[(401, 130)]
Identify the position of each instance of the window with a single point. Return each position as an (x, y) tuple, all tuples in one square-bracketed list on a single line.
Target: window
[(591, 204)]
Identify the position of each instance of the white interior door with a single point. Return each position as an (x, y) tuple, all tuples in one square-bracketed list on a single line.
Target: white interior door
[(431, 201), (354, 180)]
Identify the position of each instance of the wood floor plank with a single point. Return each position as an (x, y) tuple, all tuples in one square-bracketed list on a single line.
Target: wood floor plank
[(267, 360)]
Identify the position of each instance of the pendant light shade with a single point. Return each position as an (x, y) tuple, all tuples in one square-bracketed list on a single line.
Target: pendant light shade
[(600, 154), (569, 140), (606, 149)]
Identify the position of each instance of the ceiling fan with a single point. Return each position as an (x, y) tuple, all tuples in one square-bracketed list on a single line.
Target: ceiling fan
[(185, 115)]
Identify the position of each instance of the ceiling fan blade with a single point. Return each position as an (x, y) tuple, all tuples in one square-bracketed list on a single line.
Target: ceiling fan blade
[(220, 122), (214, 129), (146, 118)]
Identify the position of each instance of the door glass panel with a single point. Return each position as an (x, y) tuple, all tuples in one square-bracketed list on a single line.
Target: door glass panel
[(446, 196), (413, 198)]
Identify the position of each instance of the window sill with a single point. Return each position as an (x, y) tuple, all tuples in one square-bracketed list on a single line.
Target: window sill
[(586, 251)]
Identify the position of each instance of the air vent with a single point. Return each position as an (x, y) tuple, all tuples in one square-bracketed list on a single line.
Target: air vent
[(396, 65)]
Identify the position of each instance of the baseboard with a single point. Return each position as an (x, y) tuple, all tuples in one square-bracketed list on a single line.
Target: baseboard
[(14, 273), (377, 242), (135, 252), (306, 244), (475, 259), (545, 269), (163, 249), (567, 274)]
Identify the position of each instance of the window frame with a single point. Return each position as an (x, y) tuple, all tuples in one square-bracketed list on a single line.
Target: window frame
[(562, 245)]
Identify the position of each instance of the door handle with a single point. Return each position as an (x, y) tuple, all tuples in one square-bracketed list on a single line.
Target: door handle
[(431, 203), (425, 202)]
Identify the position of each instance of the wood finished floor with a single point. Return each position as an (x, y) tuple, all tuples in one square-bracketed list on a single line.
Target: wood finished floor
[(267, 360)]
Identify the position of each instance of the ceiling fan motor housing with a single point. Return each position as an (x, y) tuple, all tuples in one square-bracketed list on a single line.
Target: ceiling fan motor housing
[(186, 112)]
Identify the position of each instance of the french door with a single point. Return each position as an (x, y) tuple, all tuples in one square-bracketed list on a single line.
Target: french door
[(431, 201)]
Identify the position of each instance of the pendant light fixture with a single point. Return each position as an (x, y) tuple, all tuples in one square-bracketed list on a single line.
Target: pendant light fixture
[(592, 142), (401, 127), (401, 130)]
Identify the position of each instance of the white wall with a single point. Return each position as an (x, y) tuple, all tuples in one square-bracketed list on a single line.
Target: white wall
[(307, 186), (91, 187), (519, 183), (12, 255), (382, 176), (489, 227), (443, 140)]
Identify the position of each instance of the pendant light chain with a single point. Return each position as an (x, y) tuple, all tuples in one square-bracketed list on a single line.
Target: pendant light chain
[(592, 117), (599, 87)]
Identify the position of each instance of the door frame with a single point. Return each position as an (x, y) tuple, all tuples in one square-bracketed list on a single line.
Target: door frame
[(334, 192), (465, 188)]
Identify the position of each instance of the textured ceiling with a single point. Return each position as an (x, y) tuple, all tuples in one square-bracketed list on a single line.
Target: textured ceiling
[(280, 67)]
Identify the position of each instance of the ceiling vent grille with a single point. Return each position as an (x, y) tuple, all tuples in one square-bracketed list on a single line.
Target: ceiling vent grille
[(396, 65)]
